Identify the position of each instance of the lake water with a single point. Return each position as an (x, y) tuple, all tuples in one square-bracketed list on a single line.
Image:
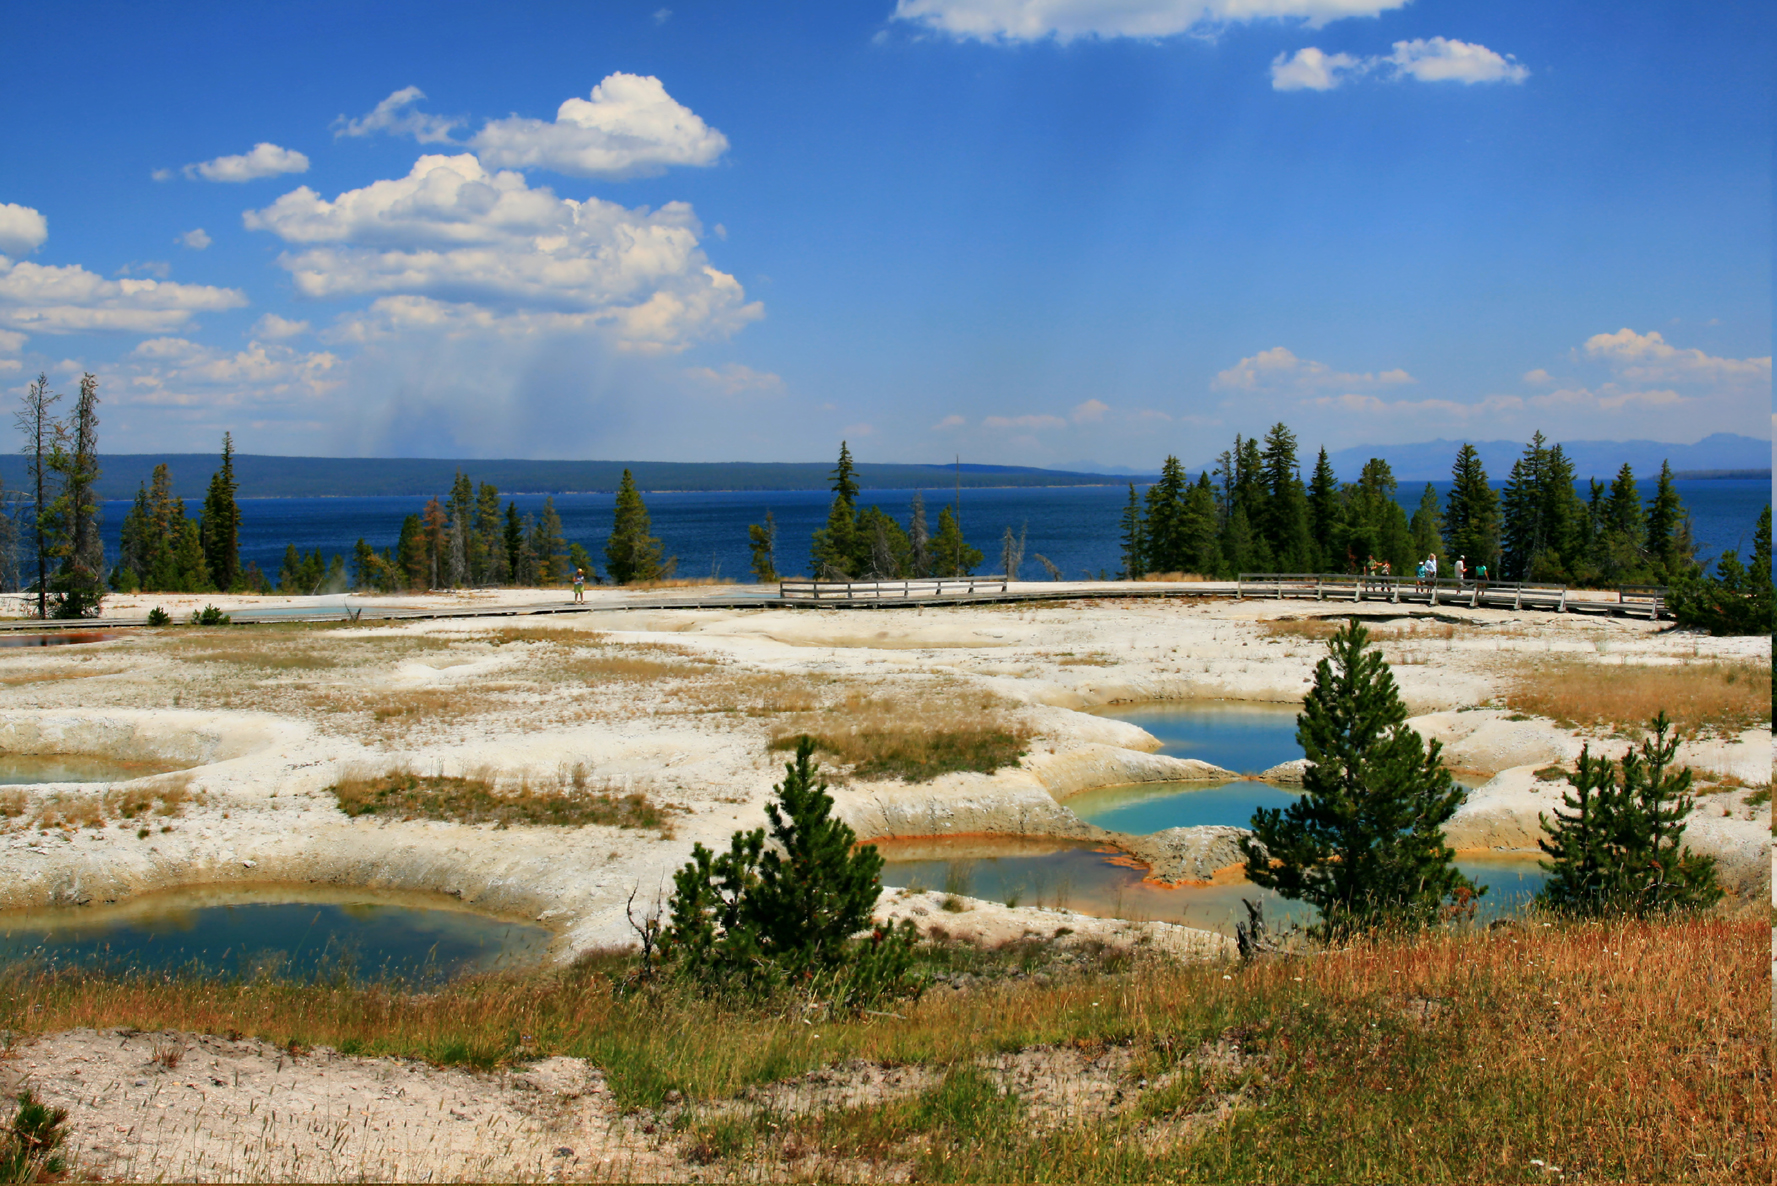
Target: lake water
[(414, 939), (1105, 883), (1075, 526)]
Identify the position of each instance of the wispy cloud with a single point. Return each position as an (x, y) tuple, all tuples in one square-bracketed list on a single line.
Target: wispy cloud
[(266, 160), (397, 116), (1431, 59), (1014, 21)]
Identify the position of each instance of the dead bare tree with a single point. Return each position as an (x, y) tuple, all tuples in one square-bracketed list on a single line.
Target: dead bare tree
[(42, 433)]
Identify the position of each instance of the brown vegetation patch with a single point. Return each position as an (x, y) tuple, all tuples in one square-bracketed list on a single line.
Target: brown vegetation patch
[(93, 809), (915, 737), (1700, 697), (575, 802)]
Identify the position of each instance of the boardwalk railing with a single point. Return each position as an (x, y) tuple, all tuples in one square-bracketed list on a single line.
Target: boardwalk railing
[(1444, 591), (885, 590), (1653, 596)]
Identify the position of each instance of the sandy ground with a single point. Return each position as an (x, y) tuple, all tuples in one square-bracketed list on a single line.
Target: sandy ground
[(269, 717), (679, 704)]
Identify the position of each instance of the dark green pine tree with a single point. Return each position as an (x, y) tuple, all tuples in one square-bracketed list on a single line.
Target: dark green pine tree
[(951, 554), (1667, 543), (1134, 532), (219, 523), (631, 554), (1619, 848), (762, 544), (1197, 529), (836, 553), (552, 548), (1471, 514), (1162, 540), (512, 535), (1286, 526), (1427, 525), (1524, 533), (1324, 519), (1364, 844), (815, 888)]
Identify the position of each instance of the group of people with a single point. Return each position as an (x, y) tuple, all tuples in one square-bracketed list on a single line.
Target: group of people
[(1427, 572)]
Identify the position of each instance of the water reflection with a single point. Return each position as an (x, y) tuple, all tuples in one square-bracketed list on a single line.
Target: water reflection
[(1237, 735), (1104, 882), (1151, 807), (30, 769), (411, 938)]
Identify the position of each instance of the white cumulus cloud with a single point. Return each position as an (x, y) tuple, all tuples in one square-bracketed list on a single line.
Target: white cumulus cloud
[(277, 329), (266, 160), (630, 127), (197, 240), (1279, 370), (177, 372), (22, 229), (1004, 21), (1431, 59), (70, 299), (1649, 358), (1440, 59), (1311, 70), (1090, 412), (398, 116), (457, 248)]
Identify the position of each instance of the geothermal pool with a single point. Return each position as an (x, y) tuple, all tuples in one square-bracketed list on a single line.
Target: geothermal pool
[(1106, 883), (1244, 737), (1103, 881), (418, 940), (19, 770)]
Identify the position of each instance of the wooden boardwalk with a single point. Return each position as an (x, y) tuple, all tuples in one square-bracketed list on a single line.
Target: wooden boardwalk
[(1647, 602)]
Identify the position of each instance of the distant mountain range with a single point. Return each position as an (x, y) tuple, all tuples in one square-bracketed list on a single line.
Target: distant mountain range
[(1430, 461), (265, 476)]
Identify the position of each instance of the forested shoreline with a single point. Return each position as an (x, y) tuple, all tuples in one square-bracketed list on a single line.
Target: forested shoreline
[(1252, 510)]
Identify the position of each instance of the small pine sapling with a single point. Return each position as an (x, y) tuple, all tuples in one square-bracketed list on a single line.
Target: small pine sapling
[(1618, 849)]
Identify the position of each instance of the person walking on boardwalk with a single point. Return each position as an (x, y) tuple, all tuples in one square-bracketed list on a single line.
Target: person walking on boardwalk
[(1431, 568), (579, 585), (1461, 568)]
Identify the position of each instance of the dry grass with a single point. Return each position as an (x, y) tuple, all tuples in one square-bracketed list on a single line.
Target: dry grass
[(915, 739), (1619, 1052), (1093, 659), (1322, 628), (573, 800), (1175, 577), (422, 705), (1301, 627), (1699, 697), (94, 809)]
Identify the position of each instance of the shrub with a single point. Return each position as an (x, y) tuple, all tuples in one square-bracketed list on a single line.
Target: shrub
[(1619, 851), (28, 1145), (754, 918), (159, 617), (1364, 843), (209, 616), (1738, 598)]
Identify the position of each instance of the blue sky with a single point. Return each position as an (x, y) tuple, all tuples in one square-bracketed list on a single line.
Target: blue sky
[(1041, 232)]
